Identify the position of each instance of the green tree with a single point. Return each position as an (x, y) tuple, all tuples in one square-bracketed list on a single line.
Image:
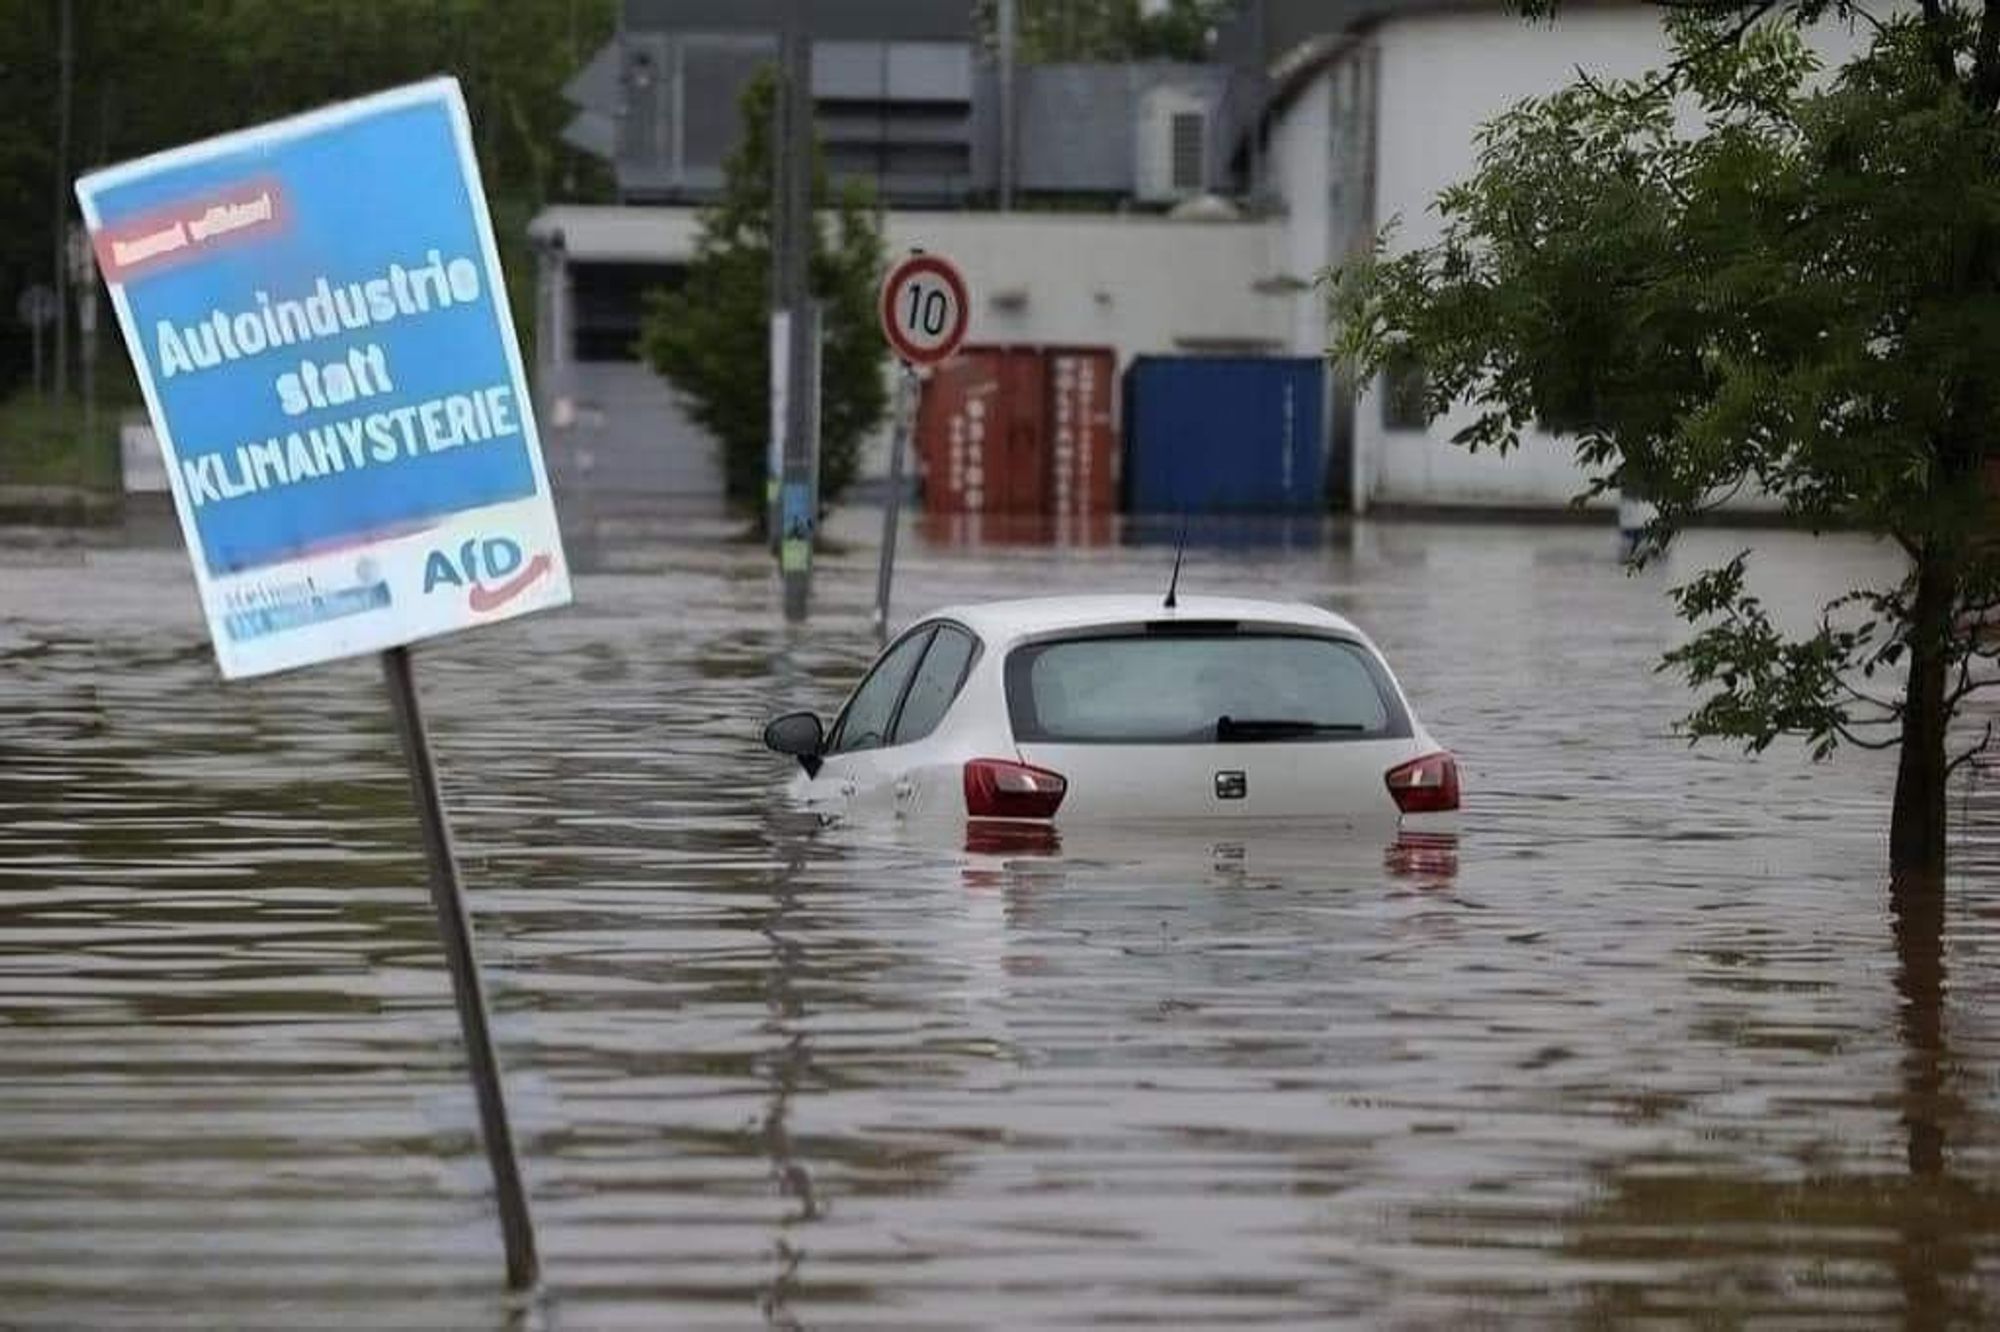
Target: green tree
[(710, 336), (151, 74), (1802, 294)]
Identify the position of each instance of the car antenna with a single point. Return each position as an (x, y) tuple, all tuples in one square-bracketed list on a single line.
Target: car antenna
[(1180, 549)]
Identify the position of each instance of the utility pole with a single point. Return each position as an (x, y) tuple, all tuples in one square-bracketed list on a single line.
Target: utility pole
[(67, 47), (798, 488), (83, 268), (780, 340), (1008, 41)]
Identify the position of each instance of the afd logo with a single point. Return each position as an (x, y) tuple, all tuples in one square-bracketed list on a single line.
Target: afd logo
[(492, 570)]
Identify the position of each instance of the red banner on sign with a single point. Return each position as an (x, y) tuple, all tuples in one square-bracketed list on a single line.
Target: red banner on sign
[(180, 232)]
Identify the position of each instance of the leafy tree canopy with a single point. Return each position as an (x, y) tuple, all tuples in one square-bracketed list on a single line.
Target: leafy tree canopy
[(1748, 270), (150, 74)]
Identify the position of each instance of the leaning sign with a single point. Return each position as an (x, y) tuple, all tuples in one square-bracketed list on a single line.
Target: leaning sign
[(316, 311)]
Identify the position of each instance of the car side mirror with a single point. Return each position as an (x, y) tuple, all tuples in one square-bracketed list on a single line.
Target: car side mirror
[(800, 735)]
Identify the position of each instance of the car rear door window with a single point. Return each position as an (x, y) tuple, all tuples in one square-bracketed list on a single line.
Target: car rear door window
[(936, 684), (1178, 688), (864, 724)]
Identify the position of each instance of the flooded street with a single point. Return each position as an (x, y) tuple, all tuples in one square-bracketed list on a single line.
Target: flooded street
[(1646, 1043)]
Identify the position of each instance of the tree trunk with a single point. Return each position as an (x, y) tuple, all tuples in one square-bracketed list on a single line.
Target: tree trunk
[(1917, 827)]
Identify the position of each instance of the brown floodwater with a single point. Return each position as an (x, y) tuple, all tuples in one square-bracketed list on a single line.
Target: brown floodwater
[(1645, 1044)]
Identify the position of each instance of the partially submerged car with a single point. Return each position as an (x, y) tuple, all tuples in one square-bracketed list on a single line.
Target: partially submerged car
[(1101, 708)]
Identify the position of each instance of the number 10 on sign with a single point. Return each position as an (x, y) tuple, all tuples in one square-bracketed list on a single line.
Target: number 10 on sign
[(925, 309)]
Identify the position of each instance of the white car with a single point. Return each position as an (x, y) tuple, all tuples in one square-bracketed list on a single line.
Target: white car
[(1080, 710)]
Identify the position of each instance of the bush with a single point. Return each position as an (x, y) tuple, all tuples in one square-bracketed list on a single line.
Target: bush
[(43, 443)]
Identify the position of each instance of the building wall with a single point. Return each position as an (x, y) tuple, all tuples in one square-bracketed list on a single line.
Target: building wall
[(1136, 284), (1301, 166), (1440, 77), (612, 430)]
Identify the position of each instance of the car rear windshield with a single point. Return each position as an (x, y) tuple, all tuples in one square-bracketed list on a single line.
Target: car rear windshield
[(1220, 686)]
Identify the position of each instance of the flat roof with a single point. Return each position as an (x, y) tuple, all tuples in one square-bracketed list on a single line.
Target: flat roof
[(660, 233), (865, 20)]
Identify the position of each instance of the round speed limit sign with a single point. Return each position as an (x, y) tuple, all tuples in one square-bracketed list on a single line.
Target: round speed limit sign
[(925, 309)]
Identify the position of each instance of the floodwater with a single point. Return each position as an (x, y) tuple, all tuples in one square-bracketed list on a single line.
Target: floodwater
[(1647, 1045)]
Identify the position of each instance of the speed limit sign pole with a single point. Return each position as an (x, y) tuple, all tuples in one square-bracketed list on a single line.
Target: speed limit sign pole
[(925, 310)]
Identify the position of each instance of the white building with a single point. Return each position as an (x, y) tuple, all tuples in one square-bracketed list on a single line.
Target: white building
[(1366, 125), (1136, 283), (1319, 124)]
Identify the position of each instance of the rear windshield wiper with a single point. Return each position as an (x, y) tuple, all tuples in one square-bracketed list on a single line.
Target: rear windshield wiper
[(1280, 728)]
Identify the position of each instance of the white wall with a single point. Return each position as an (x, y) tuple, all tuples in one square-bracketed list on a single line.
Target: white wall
[(1301, 168), (1139, 284), (1136, 283), (1441, 77)]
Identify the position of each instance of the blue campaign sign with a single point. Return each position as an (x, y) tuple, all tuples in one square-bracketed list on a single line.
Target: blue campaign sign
[(320, 325)]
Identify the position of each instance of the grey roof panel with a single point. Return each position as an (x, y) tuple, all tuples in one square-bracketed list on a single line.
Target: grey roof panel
[(592, 132), (859, 20), (595, 86), (1079, 122)]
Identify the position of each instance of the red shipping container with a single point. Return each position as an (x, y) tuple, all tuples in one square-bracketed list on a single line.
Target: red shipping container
[(1084, 443), (978, 529), (980, 433), (990, 424)]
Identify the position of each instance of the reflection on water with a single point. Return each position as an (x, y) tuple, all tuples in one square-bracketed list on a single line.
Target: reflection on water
[(1644, 1040)]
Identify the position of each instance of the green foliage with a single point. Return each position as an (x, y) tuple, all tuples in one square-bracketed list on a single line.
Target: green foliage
[(1801, 295), (150, 74), (711, 336), (44, 443), (1109, 30)]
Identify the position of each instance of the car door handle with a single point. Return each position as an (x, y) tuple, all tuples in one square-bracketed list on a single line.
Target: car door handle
[(905, 789)]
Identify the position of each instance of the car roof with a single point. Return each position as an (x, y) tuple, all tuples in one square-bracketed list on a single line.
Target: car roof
[(1003, 621)]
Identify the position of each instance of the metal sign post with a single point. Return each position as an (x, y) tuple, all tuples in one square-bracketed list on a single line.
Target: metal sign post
[(908, 384), (347, 428), (517, 1227), (925, 309)]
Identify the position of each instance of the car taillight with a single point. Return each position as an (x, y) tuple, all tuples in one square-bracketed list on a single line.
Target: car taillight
[(1425, 785), (999, 789)]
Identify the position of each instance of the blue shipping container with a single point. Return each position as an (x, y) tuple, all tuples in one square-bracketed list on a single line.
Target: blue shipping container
[(1225, 434)]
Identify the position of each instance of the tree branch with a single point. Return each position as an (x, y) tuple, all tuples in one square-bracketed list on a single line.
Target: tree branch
[(1964, 685), (1967, 690), (1961, 760), (1985, 89), (1892, 712), (1869, 18), (1669, 76), (1714, 503), (1940, 40), (1849, 737)]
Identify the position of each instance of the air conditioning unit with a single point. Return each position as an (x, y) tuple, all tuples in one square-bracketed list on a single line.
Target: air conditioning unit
[(1172, 142)]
